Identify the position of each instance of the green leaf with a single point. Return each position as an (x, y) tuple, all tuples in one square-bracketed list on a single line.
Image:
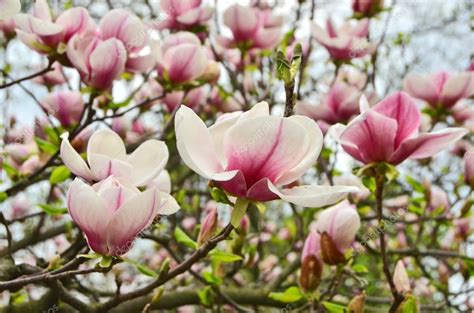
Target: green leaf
[(11, 171), (59, 174), (334, 308), (224, 257), (261, 207), (359, 268), (211, 278), (369, 182), (291, 294), (410, 305), (238, 212), (52, 209), (283, 67), (3, 196), (296, 61), (142, 268), (46, 146), (205, 296), (183, 238), (415, 185), (89, 256), (219, 195)]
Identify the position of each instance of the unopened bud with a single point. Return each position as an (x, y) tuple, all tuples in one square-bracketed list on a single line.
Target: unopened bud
[(357, 304), (208, 227), (311, 270), (331, 255), (400, 278)]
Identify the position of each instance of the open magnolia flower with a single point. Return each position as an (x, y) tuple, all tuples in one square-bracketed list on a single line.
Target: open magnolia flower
[(112, 214), (253, 155), (8, 8), (388, 132), (106, 156)]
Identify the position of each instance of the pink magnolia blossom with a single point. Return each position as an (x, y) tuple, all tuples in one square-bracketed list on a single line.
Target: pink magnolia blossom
[(440, 89), (134, 35), (111, 213), (52, 78), (182, 58), (254, 155), (31, 165), (208, 226), (353, 180), (66, 106), (41, 33), (312, 246), (184, 14), (99, 62), (341, 222), (192, 99), (339, 106), (106, 156), (388, 132), (346, 42), (8, 8), (400, 278), (463, 111), (251, 27)]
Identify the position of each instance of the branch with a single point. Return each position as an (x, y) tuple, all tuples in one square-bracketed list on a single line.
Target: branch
[(42, 72)]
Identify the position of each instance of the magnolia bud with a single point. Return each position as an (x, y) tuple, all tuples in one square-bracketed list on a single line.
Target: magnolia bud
[(311, 266), (400, 278), (357, 304), (469, 167), (208, 227), (331, 255), (212, 72)]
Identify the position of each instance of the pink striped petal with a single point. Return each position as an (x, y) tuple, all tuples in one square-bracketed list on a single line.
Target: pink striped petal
[(242, 21), (458, 86), (427, 144), (135, 214), (185, 62), (103, 166), (107, 62), (421, 87), (402, 108), (73, 160), (88, 211)]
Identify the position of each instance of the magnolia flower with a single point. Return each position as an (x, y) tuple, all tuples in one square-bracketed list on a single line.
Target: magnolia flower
[(254, 155), (469, 167), (132, 32), (111, 213), (338, 226), (440, 89), (339, 106), (345, 43), (388, 132), (182, 58), (438, 198), (184, 14), (400, 278), (463, 112), (192, 99), (99, 62), (106, 156), (311, 265), (251, 27), (353, 180), (8, 8), (66, 106), (39, 32)]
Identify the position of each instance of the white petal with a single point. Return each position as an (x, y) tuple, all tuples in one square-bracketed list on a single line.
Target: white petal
[(8, 8), (103, 167), (73, 160), (168, 204), (148, 160), (313, 196), (195, 144), (108, 143)]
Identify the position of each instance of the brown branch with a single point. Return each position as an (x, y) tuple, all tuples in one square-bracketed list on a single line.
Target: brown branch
[(49, 68)]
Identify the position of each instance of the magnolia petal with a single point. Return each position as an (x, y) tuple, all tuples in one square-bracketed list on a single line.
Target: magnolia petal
[(74, 162), (168, 204), (108, 143), (421, 87), (107, 62), (8, 8), (185, 62), (370, 136), (402, 108), (427, 144), (315, 138), (458, 86), (242, 20), (88, 211), (313, 196), (135, 214), (195, 144), (103, 166), (148, 160)]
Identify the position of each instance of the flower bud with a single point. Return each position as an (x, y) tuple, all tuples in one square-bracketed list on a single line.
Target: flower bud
[(357, 304), (331, 255), (469, 167), (400, 278), (208, 227), (311, 266)]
